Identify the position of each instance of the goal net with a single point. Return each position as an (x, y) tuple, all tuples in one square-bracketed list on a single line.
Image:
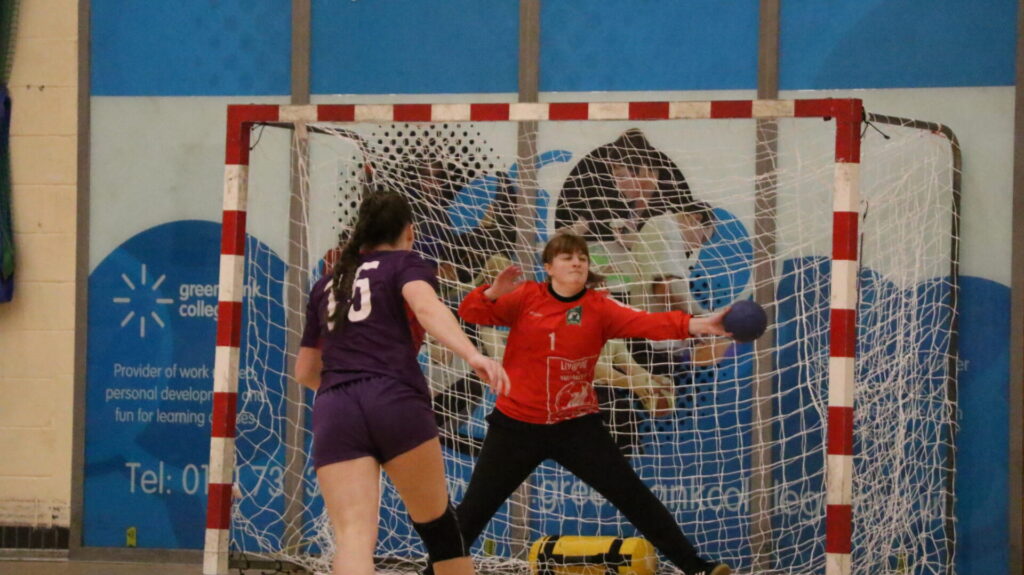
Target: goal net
[(802, 452)]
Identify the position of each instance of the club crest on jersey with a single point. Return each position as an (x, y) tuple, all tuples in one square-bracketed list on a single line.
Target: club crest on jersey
[(574, 316)]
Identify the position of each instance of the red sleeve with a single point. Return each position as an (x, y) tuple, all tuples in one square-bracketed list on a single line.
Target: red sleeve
[(620, 320), (476, 308)]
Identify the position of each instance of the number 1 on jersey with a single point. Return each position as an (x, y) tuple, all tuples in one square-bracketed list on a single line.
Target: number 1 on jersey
[(552, 336)]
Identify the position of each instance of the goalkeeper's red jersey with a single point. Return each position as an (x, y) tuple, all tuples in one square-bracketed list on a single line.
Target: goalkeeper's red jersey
[(554, 344)]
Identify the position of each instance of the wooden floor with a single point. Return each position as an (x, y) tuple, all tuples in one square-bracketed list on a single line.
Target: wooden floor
[(65, 567)]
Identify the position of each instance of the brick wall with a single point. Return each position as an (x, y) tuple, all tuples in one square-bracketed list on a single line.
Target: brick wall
[(37, 328)]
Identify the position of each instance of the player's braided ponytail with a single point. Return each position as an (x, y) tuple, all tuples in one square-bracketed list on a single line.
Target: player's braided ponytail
[(383, 216), (344, 275)]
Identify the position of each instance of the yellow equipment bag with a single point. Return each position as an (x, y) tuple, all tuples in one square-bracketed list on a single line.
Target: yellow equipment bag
[(578, 555)]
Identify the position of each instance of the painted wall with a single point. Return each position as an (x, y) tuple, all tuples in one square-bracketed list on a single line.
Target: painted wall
[(37, 327), (162, 74)]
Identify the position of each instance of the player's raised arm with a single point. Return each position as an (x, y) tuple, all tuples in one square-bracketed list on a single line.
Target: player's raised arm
[(437, 319), (508, 279), (621, 320), (495, 304)]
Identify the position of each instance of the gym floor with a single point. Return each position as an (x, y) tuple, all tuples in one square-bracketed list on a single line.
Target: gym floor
[(60, 566), (63, 566)]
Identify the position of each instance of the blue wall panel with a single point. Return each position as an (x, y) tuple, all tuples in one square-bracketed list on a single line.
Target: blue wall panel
[(234, 47), (648, 45), (414, 47), (191, 47), (897, 44), (982, 446)]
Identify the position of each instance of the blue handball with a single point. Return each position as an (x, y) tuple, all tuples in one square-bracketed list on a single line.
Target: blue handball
[(746, 321)]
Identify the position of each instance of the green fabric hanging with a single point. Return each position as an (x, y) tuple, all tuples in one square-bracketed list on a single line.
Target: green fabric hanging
[(8, 25)]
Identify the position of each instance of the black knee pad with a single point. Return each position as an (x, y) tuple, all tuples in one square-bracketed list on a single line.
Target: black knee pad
[(442, 537)]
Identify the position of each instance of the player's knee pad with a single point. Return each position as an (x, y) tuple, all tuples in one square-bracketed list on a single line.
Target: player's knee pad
[(442, 537)]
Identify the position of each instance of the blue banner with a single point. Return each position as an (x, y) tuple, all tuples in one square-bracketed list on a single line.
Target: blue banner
[(152, 322)]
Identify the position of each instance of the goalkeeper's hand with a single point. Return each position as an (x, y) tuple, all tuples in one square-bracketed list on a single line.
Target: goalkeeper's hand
[(508, 279)]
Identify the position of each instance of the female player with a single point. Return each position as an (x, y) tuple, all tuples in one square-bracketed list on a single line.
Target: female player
[(372, 406), (557, 331)]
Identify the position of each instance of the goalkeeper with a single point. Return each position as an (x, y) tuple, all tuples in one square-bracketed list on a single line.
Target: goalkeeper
[(557, 331)]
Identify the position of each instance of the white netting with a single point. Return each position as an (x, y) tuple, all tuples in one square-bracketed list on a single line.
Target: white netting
[(729, 436)]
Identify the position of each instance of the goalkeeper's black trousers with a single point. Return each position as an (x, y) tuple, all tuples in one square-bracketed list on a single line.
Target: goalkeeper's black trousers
[(513, 449)]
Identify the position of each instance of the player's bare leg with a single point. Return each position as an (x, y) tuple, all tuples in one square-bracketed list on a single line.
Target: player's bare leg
[(418, 475), (351, 491)]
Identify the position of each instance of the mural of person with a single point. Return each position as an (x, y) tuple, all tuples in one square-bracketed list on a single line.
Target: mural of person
[(431, 181), (610, 195), (664, 250)]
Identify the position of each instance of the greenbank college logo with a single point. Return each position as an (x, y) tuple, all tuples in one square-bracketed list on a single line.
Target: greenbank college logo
[(574, 316)]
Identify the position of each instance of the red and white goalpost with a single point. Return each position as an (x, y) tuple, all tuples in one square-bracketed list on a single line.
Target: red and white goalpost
[(757, 442)]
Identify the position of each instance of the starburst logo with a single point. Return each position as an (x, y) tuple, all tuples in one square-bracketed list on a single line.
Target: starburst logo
[(142, 301)]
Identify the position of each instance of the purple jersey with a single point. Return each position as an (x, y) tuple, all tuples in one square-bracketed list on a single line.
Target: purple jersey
[(381, 336)]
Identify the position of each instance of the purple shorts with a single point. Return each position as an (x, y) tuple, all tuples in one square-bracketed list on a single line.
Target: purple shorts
[(380, 417)]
